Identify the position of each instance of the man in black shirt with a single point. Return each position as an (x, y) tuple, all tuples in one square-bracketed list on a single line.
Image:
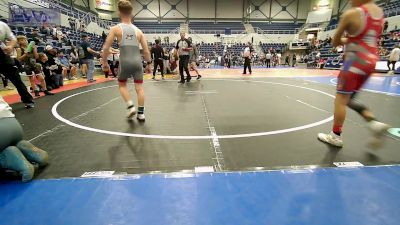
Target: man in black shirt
[(183, 48), (157, 56), (88, 58), (35, 36)]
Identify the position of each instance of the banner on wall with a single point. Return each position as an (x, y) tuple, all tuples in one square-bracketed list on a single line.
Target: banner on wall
[(107, 5), (22, 16)]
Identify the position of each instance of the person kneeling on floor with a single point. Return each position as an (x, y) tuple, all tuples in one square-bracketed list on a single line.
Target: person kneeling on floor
[(15, 153)]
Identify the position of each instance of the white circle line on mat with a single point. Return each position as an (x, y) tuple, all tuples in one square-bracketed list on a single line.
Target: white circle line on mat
[(173, 137)]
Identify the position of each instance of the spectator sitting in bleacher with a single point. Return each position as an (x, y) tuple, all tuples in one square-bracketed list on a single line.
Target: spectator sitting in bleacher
[(63, 62), (36, 37), (72, 23), (74, 61), (59, 34), (54, 67), (45, 30), (48, 76)]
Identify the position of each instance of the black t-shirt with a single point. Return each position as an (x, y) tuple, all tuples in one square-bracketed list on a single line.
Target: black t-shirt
[(157, 52), (52, 62), (85, 45), (45, 68)]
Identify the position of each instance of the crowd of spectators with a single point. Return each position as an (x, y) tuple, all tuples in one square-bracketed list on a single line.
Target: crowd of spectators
[(385, 43)]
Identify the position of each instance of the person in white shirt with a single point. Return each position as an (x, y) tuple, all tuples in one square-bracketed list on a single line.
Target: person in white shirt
[(15, 153), (279, 56), (247, 59), (394, 57), (268, 57)]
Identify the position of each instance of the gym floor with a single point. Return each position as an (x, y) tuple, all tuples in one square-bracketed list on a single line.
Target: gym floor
[(226, 125)]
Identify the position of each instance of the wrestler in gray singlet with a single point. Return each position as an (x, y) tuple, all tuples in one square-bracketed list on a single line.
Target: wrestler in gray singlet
[(130, 59)]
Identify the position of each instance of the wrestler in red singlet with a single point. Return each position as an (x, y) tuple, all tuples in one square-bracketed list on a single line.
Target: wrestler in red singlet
[(363, 25), (361, 54)]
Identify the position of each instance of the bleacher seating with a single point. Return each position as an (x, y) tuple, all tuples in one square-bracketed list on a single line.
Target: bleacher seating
[(210, 27), (152, 27), (276, 26), (211, 49), (390, 9), (73, 36), (276, 46), (236, 49)]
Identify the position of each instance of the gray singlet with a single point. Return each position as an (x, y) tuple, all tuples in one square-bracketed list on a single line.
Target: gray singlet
[(130, 59)]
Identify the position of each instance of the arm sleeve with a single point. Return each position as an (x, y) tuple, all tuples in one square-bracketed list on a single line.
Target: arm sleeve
[(177, 45), (9, 34)]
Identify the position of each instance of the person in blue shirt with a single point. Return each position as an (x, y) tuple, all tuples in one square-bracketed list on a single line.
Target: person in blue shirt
[(65, 65)]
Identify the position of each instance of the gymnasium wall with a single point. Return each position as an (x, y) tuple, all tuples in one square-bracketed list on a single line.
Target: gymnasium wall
[(262, 10)]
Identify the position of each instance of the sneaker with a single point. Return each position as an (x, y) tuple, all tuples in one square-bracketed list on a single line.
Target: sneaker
[(65, 79), (163, 78), (378, 129), (154, 78), (46, 92), (188, 79), (181, 82), (74, 78), (29, 105), (141, 117), (131, 112), (198, 77), (36, 93), (332, 139)]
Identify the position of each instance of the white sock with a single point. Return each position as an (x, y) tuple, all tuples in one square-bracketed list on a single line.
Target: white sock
[(129, 103)]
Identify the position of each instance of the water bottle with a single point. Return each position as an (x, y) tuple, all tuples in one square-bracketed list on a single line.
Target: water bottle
[(30, 46)]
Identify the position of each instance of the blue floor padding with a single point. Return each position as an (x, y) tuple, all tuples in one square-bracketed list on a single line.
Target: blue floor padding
[(389, 84), (362, 196)]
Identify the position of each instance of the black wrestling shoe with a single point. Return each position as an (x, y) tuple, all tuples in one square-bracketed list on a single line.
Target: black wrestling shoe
[(29, 105), (198, 77), (181, 82), (46, 92)]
